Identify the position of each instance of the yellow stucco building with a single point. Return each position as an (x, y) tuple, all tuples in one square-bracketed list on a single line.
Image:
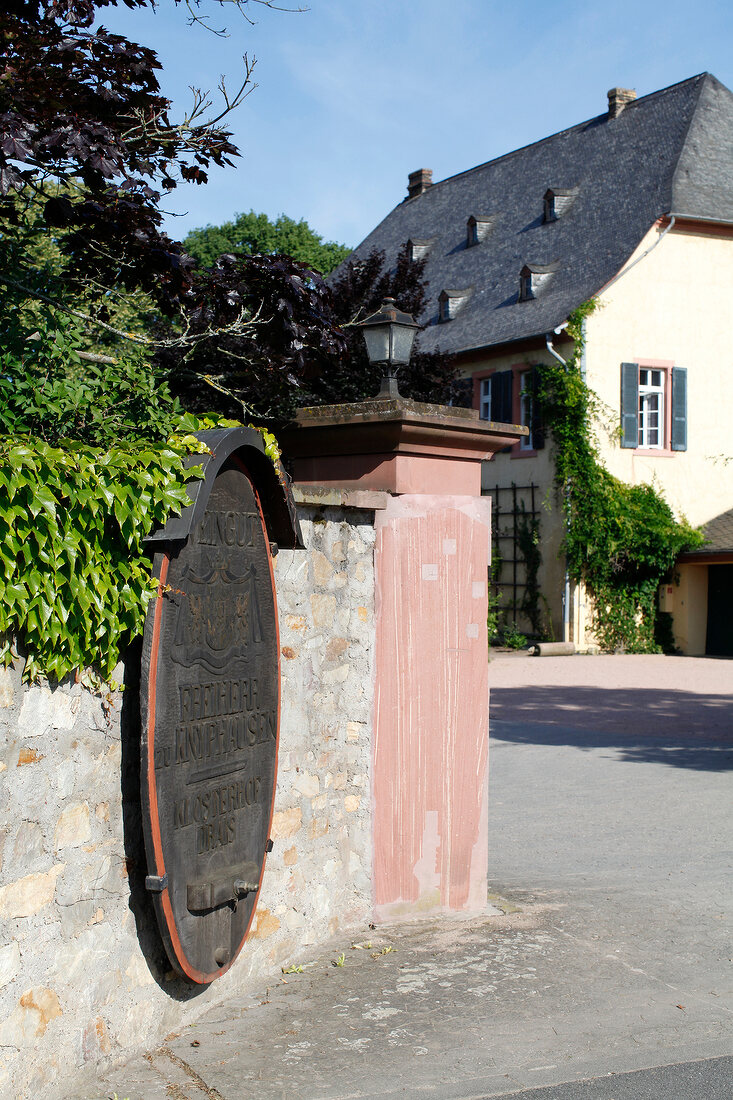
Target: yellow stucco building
[(633, 208)]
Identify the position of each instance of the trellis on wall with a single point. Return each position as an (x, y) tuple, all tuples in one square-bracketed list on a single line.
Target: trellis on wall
[(515, 523)]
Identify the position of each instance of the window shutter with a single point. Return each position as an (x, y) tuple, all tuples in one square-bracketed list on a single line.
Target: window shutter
[(501, 397), (538, 430), (629, 404), (679, 408)]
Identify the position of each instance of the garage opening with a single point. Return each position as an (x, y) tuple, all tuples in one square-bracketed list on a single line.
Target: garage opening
[(719, 638)]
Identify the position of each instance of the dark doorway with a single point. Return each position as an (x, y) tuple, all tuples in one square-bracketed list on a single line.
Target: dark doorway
[(719, 640)]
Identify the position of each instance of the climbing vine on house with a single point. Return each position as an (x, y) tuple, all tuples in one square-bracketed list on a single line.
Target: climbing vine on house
[(528, 545), (621, 540)]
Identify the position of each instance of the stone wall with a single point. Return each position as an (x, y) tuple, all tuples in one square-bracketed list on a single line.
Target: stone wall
[(83, 976)]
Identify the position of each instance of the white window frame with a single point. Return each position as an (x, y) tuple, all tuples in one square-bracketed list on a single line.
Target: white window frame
[(484, 405), (651, 405)]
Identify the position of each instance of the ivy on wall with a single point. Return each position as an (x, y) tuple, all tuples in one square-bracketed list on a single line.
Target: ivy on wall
[(91, 460), (74, 578), (621, 540)]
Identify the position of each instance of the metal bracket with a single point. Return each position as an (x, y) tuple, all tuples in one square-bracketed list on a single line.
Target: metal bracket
[(156, 884), (241, 887), (228, 885)]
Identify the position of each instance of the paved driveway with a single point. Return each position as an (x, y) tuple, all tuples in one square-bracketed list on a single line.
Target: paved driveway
[(612, 799), (607, 950), (568, 808)]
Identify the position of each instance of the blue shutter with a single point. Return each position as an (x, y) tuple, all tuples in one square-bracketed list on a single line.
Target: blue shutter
[(679, 408), (629, 404), (538, 428)]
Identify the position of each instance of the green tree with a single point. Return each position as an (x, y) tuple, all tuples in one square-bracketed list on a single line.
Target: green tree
[(255, 233), (33, 253)]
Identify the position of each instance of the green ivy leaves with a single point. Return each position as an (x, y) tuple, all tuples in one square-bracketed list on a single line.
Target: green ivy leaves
[(74, 580), (91, 459)]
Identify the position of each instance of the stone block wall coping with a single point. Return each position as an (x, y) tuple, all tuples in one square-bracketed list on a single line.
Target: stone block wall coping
[(365, 500), (382, 408)]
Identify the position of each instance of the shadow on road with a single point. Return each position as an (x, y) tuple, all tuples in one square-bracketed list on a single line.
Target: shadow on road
[(679, 728)]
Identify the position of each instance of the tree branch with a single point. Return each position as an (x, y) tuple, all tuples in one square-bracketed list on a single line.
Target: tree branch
[(241, 326), (211, 381), (94, 357), (203, 20)]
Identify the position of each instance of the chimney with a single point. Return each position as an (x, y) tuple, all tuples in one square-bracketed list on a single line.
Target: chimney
[(419, 181), (618, 98)]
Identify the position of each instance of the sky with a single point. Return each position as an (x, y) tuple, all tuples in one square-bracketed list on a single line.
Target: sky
[(352, 95)]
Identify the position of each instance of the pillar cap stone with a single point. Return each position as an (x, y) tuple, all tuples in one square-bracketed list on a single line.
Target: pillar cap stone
[(393, 444), (396, 425)]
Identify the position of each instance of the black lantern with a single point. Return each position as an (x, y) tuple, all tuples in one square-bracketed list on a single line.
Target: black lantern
[(389, 335)]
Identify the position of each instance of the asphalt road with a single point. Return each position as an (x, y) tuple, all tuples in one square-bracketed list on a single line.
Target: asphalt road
[(708, 1080), (601, 970)]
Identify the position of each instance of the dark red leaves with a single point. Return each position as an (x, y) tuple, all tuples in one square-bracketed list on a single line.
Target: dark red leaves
[(59, 211), (15, 148), (72, 105)]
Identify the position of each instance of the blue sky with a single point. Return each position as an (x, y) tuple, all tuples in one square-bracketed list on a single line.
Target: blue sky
[(354, 94)]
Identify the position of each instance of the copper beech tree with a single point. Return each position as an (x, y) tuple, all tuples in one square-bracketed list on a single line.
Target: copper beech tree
[(335, 369), (88, 149)]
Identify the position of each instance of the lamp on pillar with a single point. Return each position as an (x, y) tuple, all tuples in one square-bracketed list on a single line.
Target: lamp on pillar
[(389, 335)]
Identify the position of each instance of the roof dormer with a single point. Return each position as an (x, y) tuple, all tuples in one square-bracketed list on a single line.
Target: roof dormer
[(533, 277), (478, 228), (557, 200), (418, 249), (451, 302)]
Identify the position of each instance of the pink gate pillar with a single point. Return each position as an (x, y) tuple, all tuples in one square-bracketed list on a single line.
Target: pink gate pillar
[(431, 719)]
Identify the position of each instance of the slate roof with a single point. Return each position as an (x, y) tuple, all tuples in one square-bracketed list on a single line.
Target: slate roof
[(669, 152)]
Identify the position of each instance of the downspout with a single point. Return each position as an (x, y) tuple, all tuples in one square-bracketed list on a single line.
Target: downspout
[(566, 590), (660, 238), (548, 341)]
